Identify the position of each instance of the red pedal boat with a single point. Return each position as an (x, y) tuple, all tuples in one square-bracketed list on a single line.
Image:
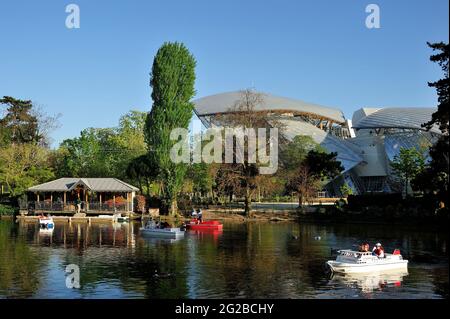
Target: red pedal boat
[(204, 225)]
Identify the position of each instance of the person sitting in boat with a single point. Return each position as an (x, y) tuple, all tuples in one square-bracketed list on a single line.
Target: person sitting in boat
[(378, 250), (365, 247), (194, 213), (163, 225), (199, 215), (150, 224)]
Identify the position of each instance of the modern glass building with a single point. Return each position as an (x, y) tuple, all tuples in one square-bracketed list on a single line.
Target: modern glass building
[(365, 145)]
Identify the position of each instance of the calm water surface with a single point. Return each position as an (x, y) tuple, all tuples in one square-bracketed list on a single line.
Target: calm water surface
[(252, 260)]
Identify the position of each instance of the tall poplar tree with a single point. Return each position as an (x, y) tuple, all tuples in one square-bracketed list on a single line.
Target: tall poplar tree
[(172, 80)]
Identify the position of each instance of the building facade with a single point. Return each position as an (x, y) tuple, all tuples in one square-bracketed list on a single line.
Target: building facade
[(365, 145), (94, 195)]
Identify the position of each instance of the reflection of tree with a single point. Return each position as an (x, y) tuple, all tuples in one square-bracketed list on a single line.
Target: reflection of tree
[(440, 281), (19, 264), (252, 262)]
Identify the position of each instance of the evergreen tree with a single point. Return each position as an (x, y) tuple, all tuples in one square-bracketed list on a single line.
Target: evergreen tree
[(19, 125), (435, 178)]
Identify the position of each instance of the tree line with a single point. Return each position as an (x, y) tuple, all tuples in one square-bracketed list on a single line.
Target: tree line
[(138, 149)]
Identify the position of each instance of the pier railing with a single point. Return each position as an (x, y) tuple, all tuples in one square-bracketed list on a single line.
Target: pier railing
[(47, 206)]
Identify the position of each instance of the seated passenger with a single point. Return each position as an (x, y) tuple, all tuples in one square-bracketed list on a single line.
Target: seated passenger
[(378, 250), (364, 248), (361, 248)]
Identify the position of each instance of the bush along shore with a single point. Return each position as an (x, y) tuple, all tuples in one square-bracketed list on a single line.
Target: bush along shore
[(7, 211), (409, 211)]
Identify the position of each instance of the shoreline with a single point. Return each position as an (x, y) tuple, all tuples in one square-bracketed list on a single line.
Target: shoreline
[(237, 216)]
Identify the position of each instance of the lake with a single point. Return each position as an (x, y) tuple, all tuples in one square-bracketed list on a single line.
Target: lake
[(246, 260)]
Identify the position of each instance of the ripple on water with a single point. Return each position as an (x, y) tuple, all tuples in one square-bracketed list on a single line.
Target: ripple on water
[(255, 260)]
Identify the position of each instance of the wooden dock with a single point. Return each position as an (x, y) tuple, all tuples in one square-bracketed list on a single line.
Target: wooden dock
[(68, 219)]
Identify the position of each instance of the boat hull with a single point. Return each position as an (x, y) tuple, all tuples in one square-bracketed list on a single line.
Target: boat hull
[(341, 267), (170, 233), (205, 226)]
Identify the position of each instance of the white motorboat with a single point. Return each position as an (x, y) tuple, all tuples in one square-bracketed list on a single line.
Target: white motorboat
[(46, 223), (170, 233), (349, 261)]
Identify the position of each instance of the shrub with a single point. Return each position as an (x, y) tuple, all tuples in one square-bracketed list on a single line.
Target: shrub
[(6, 210)]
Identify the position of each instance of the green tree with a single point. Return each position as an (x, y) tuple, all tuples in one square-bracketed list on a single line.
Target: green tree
[(346, 190), (141, 170), (19, 124), (22, 166), (201, 178), (435, 178), (295, 152), (172, 80), (323, 165), (407, 165), (312, 173), (102, 152), (441, 116)]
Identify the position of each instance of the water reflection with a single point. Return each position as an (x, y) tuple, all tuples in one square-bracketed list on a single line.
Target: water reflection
[(245, 260), (367, 283)]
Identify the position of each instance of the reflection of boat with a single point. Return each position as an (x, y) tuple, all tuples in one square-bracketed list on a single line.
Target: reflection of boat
[(46, 223), (204, 225), (171, 233), (373, 281), (207, 233), (46, 231), (160, 240), (348, 261), (121, 219)]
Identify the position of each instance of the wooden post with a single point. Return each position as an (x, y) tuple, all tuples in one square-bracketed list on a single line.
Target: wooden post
[(100, 196), (51, 200), (114, 201), (37, 194), (86, 200), (64, 201)]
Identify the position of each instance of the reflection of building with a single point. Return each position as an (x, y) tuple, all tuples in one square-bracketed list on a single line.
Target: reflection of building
[(95, 195), (365, 145)]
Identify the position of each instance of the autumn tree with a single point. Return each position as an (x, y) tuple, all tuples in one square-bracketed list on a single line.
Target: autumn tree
[(311, 171), (243, 176)]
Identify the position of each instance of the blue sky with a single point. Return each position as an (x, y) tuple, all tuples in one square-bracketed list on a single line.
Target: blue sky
[(317, 51)]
